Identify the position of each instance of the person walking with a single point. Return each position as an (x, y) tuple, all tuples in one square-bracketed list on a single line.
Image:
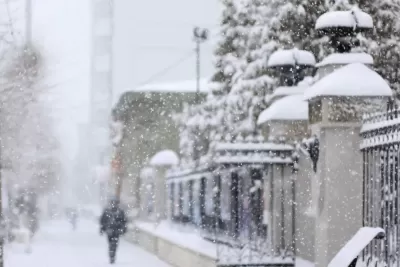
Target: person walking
[(73, 218), (27, 207), (114, 224)]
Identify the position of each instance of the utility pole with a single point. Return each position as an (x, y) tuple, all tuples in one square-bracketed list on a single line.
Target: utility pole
[(3, 221), (101, 91), (28, 21), (200, 35)]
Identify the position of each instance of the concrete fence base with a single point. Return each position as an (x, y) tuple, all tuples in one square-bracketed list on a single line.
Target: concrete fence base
[(178, 255), (168, 251)]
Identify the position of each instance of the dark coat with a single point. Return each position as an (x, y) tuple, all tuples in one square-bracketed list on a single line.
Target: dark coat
[(113, 222)]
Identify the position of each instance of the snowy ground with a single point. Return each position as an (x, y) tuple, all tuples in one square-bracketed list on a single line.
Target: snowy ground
[(58, 245)]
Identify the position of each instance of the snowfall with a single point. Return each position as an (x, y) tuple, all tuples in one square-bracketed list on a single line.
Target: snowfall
[(58, 245)]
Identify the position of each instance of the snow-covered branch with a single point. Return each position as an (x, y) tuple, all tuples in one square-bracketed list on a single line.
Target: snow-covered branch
[(27, 137)]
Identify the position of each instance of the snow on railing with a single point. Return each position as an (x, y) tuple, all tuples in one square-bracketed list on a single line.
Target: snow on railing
[(380, 128), (251, 150), (236, 151), (380, 120), (253, 159), (188, 177), (380, 140), (178, 172), (351, 251), (253, 146)]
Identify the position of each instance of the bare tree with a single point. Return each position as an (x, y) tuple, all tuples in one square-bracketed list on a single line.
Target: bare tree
[(28, 141)]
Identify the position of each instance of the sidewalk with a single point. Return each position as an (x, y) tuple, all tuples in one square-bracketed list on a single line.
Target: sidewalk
[(57, 245)]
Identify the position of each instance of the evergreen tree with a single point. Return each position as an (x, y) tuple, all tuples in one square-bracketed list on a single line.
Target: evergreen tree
[(198, 123), (295, 25), (383, 42), (245, 101), (253, 29), (274, 24), (229, 48)]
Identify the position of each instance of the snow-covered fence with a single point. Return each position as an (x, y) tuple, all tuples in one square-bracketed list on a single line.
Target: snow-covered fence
[(381, 156), (318, 204), (350, 253), (225, 199)]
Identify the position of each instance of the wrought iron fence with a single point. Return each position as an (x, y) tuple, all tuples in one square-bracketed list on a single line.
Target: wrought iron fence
[(381, 154), (230, 201)]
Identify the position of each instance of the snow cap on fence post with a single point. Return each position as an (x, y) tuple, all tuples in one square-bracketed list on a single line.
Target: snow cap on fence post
[(291, 65), (287, 112), (346, 94), (161, 162)]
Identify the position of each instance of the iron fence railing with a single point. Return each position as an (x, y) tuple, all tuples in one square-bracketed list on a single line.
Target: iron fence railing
[(381, 154)]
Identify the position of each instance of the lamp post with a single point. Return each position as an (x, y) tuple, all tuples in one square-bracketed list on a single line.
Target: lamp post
[(200, 35)]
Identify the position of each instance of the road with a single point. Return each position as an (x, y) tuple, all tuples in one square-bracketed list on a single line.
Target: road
[(58, 245)]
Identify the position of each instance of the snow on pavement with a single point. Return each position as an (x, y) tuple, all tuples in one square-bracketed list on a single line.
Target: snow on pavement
[(58, 245)]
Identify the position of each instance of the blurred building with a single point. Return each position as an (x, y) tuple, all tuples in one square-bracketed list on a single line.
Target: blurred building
[(82, 182), (101, 81), (147, 115)]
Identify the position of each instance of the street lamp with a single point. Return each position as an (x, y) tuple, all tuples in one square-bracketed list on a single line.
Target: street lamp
[(200, 35)]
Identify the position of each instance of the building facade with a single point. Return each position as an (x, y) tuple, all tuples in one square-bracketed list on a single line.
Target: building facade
[(147, 115)]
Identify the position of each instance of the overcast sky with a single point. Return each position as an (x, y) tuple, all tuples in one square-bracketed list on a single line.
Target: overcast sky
[(150, 36), (61, 29)]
